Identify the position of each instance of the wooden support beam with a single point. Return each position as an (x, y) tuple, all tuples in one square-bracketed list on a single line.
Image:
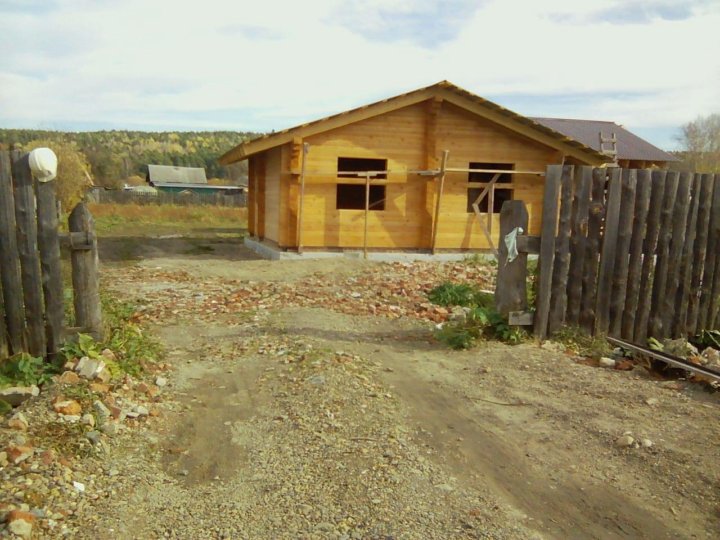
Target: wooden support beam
[(367, 212), (305, 150), (486, 226), (438, 200)]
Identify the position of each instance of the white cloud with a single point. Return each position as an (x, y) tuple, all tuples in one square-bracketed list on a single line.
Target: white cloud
[(266, 65)]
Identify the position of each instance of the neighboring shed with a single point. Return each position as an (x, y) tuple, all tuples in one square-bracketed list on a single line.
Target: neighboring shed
[(319, 200), (630, 151), (171, 179)]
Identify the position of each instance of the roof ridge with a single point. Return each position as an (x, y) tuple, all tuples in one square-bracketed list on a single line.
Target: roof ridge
[(574, 119)]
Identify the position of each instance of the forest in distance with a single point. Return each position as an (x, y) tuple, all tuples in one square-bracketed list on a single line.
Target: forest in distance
[(116, 156)]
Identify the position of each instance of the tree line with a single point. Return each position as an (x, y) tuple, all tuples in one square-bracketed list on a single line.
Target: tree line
[(113, 157)]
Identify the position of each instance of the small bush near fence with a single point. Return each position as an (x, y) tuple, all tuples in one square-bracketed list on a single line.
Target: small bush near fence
[(476, 319)]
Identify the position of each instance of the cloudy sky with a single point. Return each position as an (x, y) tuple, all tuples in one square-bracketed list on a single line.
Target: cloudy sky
[(650, 65)]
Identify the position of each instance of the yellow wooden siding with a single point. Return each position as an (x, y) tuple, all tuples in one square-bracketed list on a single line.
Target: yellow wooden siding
[(272, 193), (473, 139), (402, 137), (397, 136)]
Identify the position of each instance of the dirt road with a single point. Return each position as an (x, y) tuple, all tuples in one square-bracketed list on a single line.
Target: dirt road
[(318, 413)]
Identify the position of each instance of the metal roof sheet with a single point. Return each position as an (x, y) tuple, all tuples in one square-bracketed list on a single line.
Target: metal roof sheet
[(178, 175), (629, 145)]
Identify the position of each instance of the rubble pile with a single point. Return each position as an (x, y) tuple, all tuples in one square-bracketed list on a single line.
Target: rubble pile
[(390, 290), (54, 449)]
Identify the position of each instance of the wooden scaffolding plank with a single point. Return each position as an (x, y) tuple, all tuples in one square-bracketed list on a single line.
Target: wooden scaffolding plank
[(562, 252), (700, 253), (712, 259), (622, 250), (607, 254), (592, 251), (438, 201), (578, 242), (639, 228), (547, 248), (660, 277)]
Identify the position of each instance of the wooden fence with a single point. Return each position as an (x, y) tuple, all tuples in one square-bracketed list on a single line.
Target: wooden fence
[(32, 312), (629, 253), (179, 199)]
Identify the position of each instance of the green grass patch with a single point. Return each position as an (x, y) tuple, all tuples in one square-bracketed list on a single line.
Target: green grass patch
[(459, 294), (583, 344), (481, 320), (26, 370)]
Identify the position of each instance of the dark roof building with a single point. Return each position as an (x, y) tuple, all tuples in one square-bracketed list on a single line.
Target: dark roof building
[(631, 151)]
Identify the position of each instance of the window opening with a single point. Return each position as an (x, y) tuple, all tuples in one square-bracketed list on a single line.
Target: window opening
[(350, 165), (352, 197), (500, 195)]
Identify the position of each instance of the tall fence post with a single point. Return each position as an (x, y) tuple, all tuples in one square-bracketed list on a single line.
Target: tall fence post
[(49, 245), (9, 261), (511, 290), (85, 275), (29, 255)]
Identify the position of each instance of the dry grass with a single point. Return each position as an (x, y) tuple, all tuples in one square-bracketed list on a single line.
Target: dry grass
[(137, 219)]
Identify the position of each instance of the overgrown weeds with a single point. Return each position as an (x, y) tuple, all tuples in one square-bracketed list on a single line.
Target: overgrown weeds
[(459, 294), (26, 370), (479, 320), (583, 344), (132, 346)]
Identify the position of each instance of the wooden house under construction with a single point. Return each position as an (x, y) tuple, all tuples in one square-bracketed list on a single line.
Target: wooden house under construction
[(425, 171)]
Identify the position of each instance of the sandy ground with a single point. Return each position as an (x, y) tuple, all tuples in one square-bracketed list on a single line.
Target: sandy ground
[(304, 422)]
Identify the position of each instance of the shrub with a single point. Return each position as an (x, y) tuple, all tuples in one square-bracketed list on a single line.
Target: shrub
[(482, 321), (459, 294)]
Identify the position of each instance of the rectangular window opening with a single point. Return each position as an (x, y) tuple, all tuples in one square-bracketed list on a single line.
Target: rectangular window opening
[(500, 194), (348, 165), (352, 197)]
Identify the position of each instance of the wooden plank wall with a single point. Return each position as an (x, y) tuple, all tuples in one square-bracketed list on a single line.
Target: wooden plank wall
[(31, 314), (408, 138), (629, 253)]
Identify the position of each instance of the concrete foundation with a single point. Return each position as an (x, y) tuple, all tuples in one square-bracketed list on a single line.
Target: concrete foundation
[(271, 252)]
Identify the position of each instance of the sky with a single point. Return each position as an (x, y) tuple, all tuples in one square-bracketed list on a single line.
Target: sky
[(649, 65)]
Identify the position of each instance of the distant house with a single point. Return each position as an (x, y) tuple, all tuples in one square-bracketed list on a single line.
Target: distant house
[(629, 150), (187, 180)]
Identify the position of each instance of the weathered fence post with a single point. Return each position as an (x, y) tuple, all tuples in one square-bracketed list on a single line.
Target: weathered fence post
[(551, 203), (29, 254), (511, 290), (49, 245), (85, 276), (9, 261)]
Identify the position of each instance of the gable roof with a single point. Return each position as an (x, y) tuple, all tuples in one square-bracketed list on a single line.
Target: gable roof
[(629, 145), (443, 90), (160, 174)]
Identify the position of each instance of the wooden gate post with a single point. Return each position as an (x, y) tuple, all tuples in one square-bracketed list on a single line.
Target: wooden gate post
[(27, 241), (510, 290), (49, 245), (9, 260), (85, 275)]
